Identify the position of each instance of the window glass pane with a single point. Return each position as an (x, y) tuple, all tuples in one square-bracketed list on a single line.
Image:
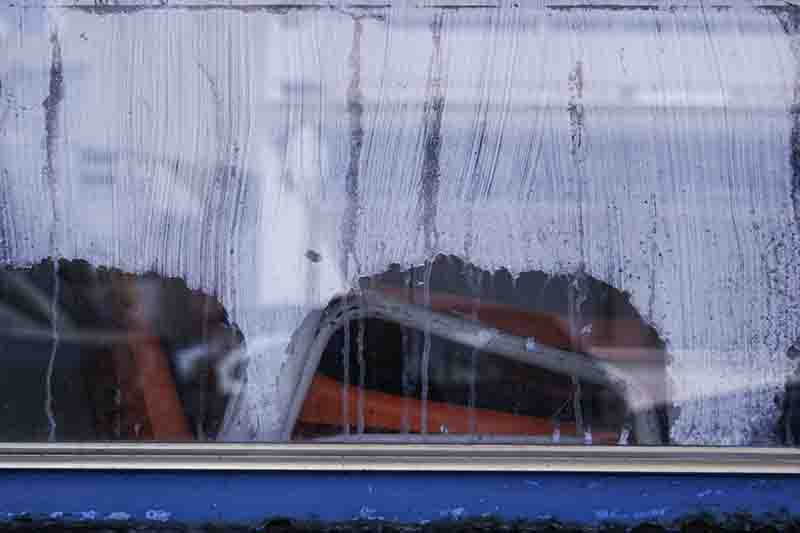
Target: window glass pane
[(396, 223)]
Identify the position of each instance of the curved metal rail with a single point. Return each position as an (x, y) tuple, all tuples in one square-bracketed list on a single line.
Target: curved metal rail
[(369, 304)]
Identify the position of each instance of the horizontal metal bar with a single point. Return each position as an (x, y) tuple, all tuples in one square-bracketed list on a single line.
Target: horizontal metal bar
[(410, 457), (124, 6)]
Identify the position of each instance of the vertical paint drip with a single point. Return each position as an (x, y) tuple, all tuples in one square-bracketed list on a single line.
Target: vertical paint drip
[(429, 192), (729, 146), (240, 180), (346, 380), (52, 126), (432, 131), (237, 179), (355, 109), (349, 227), (6, 219), (48, 385), (790, 20), (577, 140), (52, 117), (576, 112), (362, 374), (472, 180), (654, 262), (575, 299), (577, 147), (217, 182), (6, 230), (506, 107), (795, 147), (426, 351)]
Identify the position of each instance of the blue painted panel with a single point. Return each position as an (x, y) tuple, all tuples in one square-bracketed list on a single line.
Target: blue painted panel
[(228, 497)]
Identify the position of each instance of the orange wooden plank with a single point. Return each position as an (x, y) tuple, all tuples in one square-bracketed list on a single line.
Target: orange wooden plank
[(323, 405), (153, 385)]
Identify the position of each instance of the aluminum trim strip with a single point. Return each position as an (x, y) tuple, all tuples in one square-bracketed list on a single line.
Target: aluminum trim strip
[(390, 457)]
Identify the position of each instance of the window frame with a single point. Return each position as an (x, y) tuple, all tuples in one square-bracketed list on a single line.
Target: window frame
[(402, 457), (398, 457)]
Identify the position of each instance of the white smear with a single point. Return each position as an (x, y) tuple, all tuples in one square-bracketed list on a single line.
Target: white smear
[(608, 514), (88, 515), (118, 515), (624, 436), (158, 515), (484, 337), (455, 513), (650, 513), (368, 513)]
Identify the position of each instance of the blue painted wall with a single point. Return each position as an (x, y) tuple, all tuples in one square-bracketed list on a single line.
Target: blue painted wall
[(235, 497)]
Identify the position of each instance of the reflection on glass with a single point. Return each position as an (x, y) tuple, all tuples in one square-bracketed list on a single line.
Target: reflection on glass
[(95, 354), (372, 378), (144, 358), (543, 224)]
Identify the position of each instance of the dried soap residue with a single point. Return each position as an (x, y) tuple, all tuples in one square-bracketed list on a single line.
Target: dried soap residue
[(391, 139)]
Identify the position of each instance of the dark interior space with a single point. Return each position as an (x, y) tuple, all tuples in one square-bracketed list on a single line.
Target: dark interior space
[(116, 353), (572, 312)]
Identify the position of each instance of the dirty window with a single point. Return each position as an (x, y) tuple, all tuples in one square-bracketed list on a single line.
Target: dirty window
[(527, 223)]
